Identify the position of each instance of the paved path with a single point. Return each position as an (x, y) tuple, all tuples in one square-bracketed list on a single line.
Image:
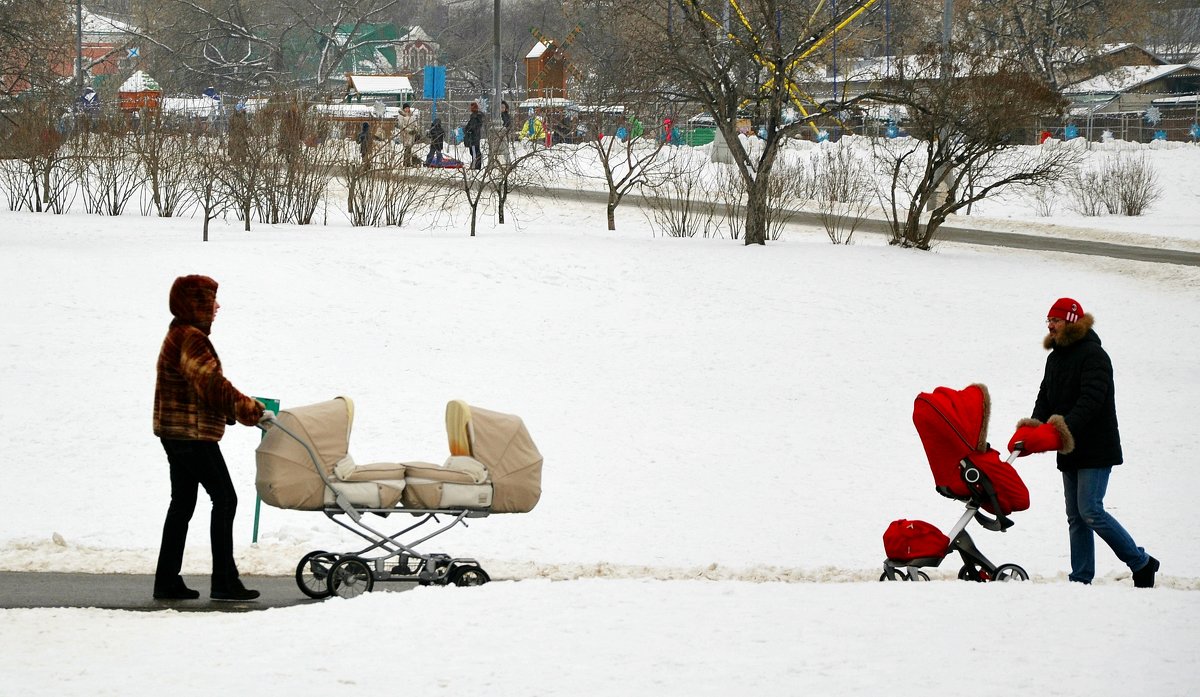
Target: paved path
[(952, 231), (135, 592)]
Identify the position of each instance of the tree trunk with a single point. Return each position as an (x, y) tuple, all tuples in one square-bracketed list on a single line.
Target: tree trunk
[(756, 212), (612, 214)]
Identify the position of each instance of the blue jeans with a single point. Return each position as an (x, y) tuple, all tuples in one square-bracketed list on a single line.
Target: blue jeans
[(1086, 515)]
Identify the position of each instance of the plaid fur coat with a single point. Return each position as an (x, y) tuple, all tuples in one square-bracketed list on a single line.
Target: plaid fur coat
[(192, 398)]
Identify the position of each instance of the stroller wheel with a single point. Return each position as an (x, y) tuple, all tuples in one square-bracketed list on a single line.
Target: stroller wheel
[(350, 578), (968, 573), (1011, 572), (897, 575), (467, 575), (918, 576), (312, 573)]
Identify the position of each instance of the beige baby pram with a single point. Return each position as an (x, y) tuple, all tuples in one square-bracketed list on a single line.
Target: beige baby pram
[(304, 464)]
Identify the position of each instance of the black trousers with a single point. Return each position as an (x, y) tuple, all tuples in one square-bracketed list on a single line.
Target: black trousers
[(196, 463), (476, 155)]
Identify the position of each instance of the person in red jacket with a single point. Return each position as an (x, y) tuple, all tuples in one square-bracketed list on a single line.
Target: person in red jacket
[(193, 402), (1075, 414)]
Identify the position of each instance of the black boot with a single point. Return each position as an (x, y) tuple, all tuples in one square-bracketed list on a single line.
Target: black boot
[(174, 589), (1144, 577), (233, 591)]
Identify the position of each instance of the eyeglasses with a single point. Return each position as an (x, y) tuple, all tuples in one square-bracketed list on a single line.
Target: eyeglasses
[(1055, 320)]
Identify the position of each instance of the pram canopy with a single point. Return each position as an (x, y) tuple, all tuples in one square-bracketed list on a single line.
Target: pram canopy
[(953, 426), (494, 464)]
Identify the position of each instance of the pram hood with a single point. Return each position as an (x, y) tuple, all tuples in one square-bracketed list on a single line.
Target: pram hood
[(502, 442), (285, 476), (953, 425)]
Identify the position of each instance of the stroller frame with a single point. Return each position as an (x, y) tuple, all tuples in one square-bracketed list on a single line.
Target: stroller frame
[(976, 567), (321, 574)]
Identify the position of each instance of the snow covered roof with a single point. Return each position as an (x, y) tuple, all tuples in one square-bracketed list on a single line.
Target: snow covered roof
[(355, 111), (379, 84), (1176, 101), (538, 49), (140, 82), (416, 34), (190, 106), (1124, 78), (99, 24)]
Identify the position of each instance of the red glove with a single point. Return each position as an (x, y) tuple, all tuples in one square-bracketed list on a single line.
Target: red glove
[(1035, 439)]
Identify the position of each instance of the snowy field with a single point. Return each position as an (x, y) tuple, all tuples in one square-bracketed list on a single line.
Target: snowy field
[(727, 433)]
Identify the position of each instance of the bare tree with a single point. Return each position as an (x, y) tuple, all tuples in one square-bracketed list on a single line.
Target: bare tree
[(210, 177), (752, 60), (34, 37), (241, 45), (517, 165), (958, 135), (1047, 37)]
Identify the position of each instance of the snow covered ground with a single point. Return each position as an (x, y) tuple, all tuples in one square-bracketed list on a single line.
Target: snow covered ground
[(727, 433)]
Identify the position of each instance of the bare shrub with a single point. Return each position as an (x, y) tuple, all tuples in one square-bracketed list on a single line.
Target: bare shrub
[(368, 185), (163, 153), (1118, 185), (1136, 184), (1045, 198), (678, 205), (842, 190), (779, 211), (36, 175), (107, 168), (731, 192), (298, 169), (1086, 189)]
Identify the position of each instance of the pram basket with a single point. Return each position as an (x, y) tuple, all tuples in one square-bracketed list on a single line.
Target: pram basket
[(303, 463)]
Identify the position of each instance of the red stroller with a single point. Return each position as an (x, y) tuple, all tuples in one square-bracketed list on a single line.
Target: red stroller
[(953, 428)]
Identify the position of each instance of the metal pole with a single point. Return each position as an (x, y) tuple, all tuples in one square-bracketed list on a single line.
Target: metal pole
[(496, 91), (947, 31), (78, 47)]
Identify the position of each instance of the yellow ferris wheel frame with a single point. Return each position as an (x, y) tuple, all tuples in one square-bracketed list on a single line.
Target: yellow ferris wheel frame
[(798, 97)]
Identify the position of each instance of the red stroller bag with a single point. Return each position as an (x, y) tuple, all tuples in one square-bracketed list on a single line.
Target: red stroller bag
[(906, 540)]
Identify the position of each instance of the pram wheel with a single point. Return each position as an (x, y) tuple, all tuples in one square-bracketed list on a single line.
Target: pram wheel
[(900, 575), (1011, 572), (350, 578), (969, 573), (467, 575), (312, 573)]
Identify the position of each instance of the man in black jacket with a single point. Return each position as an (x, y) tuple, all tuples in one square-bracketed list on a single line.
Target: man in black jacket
[(1076, 414), (473, 134)]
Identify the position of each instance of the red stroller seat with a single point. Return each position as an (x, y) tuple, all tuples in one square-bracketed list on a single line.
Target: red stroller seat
[(952, 425)]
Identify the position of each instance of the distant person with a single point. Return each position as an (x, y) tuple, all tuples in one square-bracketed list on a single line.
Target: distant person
[(407, 130), (473, 135), (533, 129), (193, 402), (437, 138), (1076, 414), (365, 143), (505, 117)]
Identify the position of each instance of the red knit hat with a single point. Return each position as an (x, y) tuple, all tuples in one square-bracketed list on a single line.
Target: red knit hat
[(1066, 309)]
